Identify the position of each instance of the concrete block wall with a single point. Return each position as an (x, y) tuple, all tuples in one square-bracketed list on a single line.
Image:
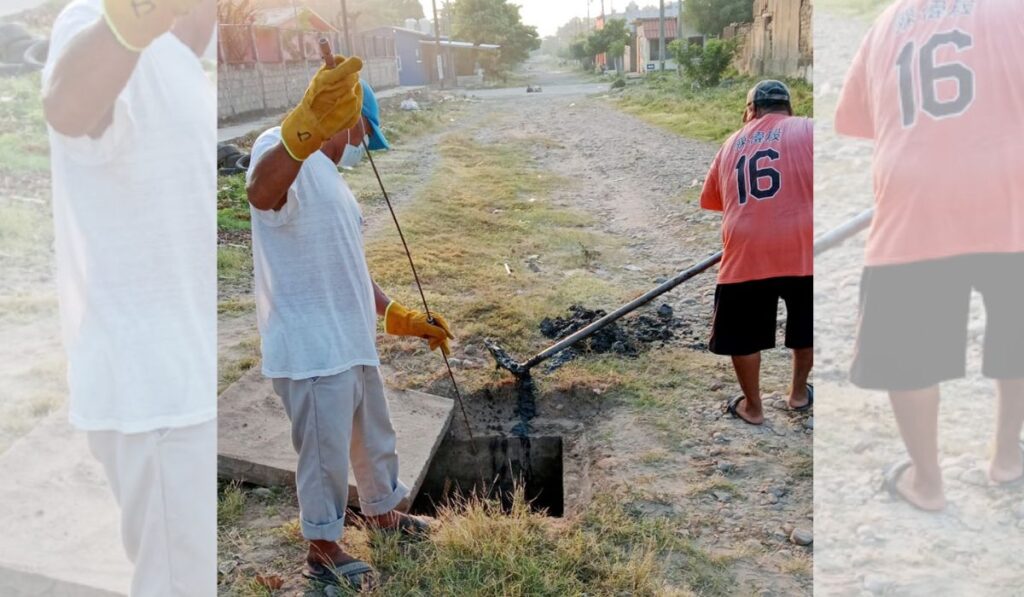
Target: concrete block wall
[(250, 88)]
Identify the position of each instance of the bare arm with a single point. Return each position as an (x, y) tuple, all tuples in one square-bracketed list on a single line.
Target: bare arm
[(380, 300), (80, 97), (273, 174)]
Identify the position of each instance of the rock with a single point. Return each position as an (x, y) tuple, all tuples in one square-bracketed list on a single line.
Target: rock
[(719, 438), (665, 310), (632, 268), (801, 537), (726, 467), (660, 280), (454, 362), (778, 491), (262, 492), (409, 105), (332, 591), (471, 350), (975, 476), (722, 496), (809, 423)]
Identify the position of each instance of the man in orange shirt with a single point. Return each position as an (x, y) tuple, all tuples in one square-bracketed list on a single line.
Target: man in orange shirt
[(937, 85), (762, 181)]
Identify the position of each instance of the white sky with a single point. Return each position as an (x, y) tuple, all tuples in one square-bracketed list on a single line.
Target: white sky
[(548, 15)]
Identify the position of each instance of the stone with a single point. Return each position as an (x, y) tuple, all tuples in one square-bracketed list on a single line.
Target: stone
[(726, 467), (262, 492), (809, 423), (801, 537), (254, 435), (722, 496)]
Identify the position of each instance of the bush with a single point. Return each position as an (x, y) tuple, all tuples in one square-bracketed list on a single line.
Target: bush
[(704, 64), (618, 83)]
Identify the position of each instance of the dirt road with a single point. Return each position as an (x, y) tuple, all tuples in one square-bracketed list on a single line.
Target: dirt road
[(736, 491), (869, 544)]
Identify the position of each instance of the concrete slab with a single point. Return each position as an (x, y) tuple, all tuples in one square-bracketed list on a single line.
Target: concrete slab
[(254, 440), (61, 530)]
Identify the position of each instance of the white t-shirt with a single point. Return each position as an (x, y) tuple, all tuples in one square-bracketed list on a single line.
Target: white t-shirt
[(314, 297), (135, 227)]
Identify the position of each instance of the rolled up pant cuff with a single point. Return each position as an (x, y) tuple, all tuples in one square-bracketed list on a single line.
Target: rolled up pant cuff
[(376, 506), (330, 531)]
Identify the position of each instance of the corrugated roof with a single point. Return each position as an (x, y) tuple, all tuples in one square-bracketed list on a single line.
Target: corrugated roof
[(650, 28)]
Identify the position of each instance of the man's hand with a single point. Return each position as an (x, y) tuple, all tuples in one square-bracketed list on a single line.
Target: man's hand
[(400, 321), (332, 103), (136, 23)]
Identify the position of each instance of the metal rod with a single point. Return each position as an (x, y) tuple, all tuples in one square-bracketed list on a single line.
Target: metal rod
[(830, 239)]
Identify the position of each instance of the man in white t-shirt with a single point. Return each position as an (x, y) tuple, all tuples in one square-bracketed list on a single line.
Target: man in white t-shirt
[(317, 309), (132, 120)]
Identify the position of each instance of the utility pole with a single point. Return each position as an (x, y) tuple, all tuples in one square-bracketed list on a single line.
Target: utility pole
[(661, 33), (448, 30), (349, 50), (437, 44)]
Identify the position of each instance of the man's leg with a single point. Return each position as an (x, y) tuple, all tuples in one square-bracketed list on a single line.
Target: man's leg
[(748, 373), (165, 484), (917, 415), (803, 361), (320, 410), (374, 453), (1008, 463)]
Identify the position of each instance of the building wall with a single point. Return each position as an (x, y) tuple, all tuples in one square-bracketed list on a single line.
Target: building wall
[(410, 56), (778, 42), (255, 88)]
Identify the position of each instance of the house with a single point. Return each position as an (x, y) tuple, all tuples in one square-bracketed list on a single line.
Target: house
[(416, 54), (637, 19)]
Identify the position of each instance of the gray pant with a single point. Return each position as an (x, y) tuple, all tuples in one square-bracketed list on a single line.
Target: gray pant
[(336, 419), (165, 483)]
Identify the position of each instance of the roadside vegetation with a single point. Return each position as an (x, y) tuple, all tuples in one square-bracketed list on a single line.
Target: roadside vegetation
[(869, 8), (674, 103)]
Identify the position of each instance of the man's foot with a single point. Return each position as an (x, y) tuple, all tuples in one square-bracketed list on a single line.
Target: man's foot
[(327, 553), (902, 482), (1007, 468), (398, 522), (801, 399), (745, 410)]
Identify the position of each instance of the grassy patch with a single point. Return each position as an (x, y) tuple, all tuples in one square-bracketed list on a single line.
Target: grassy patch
[(23, 138), (870, 8), (234, 263), (232, 205), (230, 505), (234, 362), (26, 230), (486, 207), (670, 101)]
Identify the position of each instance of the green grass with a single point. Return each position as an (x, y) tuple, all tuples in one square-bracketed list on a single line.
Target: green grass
[(868, 8), (24, 147), (24, 229), (477, 549), (232, 204), (670, 102), (234, 264)]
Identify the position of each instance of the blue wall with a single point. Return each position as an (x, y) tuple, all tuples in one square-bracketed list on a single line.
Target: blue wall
[(412, 63)]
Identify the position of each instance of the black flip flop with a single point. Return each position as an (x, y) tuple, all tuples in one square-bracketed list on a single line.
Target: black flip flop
[(890, 479), (731, 409), (356, 574), (810, 401)]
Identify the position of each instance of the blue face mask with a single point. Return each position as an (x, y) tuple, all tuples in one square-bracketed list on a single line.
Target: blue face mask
[(353, 154)]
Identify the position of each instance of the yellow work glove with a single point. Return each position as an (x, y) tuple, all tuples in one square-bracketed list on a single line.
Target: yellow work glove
[(136, 23), (332, 103), (400, 321)]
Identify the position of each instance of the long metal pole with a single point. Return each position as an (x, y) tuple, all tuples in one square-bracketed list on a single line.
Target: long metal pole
[(661, 33), (437, 44), (349, 50), (825, 242)]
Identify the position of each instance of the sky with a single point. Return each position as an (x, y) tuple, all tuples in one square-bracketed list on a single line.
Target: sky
[(548, 15)]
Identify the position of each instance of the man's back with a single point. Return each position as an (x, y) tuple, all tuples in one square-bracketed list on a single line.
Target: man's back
[(762, 180), (939, 86)]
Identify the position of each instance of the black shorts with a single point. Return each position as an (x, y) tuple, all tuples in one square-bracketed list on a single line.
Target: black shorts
[(745, 312), (914, 318)]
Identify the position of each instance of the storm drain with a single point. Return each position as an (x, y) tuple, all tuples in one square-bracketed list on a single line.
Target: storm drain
[(533, 462)]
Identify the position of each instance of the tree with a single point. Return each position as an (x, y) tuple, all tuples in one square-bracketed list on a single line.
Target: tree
[(706, 64), (495, 22), (711, 16), (367, 14)]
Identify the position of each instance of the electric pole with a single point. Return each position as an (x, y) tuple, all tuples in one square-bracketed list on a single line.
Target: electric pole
[(661, 33), (349, 50), (437, 45)]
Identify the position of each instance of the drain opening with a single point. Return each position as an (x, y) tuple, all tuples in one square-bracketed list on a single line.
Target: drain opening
[(534, 462)]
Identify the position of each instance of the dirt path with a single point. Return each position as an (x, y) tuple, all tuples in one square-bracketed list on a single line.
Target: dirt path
[(738, 491), (869, 544)]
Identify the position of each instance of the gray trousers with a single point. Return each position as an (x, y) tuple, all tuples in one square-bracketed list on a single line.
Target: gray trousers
[(165, 483), (337, 419)]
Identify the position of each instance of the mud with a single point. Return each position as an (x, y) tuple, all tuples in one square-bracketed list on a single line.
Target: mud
[(627, 336)]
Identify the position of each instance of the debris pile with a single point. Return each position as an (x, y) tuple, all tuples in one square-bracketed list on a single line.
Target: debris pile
[(625, 337)]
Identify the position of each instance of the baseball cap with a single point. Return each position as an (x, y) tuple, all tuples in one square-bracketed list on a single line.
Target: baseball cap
[(372, 113), (768, 90)]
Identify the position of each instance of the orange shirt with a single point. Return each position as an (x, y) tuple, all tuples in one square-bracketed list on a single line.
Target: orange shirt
[(762, 180), (939, 86)]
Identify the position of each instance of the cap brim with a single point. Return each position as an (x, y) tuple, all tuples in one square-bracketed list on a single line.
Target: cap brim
[(377, 140)]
